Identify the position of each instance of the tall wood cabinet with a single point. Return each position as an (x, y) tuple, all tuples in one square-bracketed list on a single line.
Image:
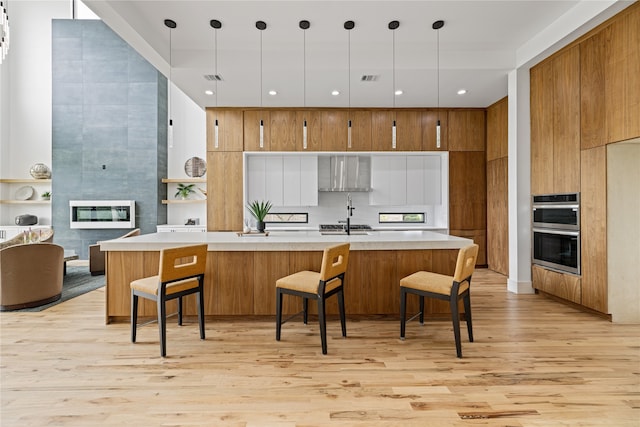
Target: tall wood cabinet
[(555, 124), (497, 187), (468, 178), (594, 88)]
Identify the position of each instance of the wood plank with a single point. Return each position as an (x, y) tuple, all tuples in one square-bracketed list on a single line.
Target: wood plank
[(314, 129), (566, 286), (230, 137), (429, 122), (542, 128), (381, 124), (283, 130), (566, 124), (268, 267), (360, 130), (498, 130), (534, 361), (593, 224), (334, 130), (498, 215), (408, 130), (593, 130), (467, 190), (251, 129), (467, 131)]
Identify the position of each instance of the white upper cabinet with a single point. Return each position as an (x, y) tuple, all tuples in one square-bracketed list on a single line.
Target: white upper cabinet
[(388, 180), (424, 180), (284, 180), (300, 181), (406, 180)]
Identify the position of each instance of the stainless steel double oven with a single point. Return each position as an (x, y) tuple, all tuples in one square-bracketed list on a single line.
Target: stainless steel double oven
[(556, 232)]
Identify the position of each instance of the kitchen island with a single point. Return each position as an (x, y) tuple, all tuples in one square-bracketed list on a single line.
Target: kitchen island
[(242, 270)]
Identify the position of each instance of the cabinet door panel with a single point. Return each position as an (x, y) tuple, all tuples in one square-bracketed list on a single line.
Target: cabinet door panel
[(256, 171), (415, 180), (273, 180), (334, 130), (467, 190), (252, 119), (283, 130), (360, 130), (381, 123), (308, 181), (593, 131), (466, 130), (229, 133), (291, 183), (314, 130), (429, 123), (409, 130), (541, 129), (388, 180), (224, 188), (566, 124)]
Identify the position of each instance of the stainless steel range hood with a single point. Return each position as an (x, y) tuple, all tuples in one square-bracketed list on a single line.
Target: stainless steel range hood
[(348, 173)]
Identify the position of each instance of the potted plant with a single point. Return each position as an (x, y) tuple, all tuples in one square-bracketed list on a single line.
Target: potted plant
[(185, 190), (259, 210), (46, 195)]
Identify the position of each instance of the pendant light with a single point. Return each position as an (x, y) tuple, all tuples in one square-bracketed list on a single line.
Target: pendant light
[(261, 25), (304, 25), (393, 25), (436, 26), (349, 25), (216, 25), (171, 24)]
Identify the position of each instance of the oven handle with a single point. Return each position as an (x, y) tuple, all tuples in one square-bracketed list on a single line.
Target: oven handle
[(573, 207), (550, 231)]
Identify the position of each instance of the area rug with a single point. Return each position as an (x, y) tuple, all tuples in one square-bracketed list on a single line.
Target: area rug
[(76, 282)]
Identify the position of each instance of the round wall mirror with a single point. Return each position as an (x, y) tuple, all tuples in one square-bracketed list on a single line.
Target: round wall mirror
[(195, 167)]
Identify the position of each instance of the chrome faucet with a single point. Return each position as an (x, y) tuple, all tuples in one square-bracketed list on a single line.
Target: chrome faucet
[(350, 209)]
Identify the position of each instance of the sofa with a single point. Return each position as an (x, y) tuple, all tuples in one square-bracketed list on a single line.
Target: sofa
[(97, 257), (30, 275)]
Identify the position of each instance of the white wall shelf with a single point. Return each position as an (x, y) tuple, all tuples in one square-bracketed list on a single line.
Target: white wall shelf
[(25, 202)]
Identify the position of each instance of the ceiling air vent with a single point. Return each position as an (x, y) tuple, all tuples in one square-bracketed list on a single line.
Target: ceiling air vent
[(368, 78), (213, 77)]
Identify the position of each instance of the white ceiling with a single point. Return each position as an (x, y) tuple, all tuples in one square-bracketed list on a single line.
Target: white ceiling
[(478, 47)]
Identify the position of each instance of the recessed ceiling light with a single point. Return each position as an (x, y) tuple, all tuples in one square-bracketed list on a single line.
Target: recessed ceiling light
[(399, 92), (335, 92), (462, 91), (273, 92), (208, 92)]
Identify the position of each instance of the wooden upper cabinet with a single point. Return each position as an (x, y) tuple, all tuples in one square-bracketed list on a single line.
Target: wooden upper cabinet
[(566, 121), (593, 131), (541, 128), (408, 130), (381, 130), (610, 82), (252, 120), (229, 133), (334, 130), (497, 130), (224, 189), (283, 130), (360, 130), (467, 190), (622, 78), (429, 133), (314, 130), (466, 130)]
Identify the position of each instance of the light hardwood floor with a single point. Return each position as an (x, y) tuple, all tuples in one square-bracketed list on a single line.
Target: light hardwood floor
[(534, 362)]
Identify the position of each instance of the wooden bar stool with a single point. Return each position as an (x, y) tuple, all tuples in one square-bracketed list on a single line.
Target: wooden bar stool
[(317, 286), (181, 273), (442, 287)]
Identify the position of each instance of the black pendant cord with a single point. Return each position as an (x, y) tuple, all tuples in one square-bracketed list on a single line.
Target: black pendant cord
[(394, 72), (438, 71), (260, 69), (304, 67)]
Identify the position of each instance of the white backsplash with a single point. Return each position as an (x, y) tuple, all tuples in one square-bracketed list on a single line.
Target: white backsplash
[(332, 207)]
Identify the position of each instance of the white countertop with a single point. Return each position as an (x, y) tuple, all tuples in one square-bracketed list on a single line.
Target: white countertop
[(289, 241)]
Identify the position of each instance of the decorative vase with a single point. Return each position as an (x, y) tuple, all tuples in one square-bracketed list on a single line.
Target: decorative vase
[(260, 226), (40, 171)]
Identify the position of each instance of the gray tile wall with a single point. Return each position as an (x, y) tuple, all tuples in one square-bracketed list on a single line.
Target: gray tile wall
[(109, 129)]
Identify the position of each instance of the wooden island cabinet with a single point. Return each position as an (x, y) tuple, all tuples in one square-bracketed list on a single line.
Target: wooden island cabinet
[(242, 271)]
